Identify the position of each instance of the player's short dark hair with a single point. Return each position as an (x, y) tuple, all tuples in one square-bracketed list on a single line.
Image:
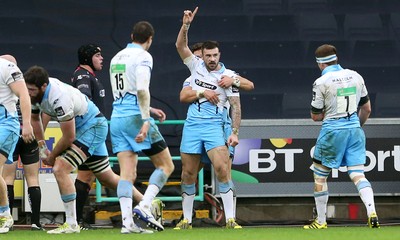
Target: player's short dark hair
[(326, 50), (196, 46), (142, 31), (37, 76), (209, 45)]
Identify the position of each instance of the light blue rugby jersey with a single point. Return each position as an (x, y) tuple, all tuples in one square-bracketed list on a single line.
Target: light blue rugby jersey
[(63, 102), (202, 79), (123, 79), (338, 91)]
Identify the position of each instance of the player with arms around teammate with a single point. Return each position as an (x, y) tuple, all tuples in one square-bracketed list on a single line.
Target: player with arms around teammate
[(205, 120), (12, 87), (337, 95), (188, 96), (132, 128)]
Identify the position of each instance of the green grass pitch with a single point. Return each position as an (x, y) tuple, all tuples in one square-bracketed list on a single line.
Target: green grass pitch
[(247, 233)]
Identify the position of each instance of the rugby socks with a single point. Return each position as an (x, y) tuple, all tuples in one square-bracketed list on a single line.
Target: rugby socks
[(124, 193), (82, 194), (226, 191), (70, 208), (188, 193), (5, 211), (234, 202), (10, 193), (35, 198), (367, 195), (156, 182), (321, 201)]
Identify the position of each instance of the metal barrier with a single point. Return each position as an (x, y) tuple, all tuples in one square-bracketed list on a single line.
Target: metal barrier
[(199, 197)]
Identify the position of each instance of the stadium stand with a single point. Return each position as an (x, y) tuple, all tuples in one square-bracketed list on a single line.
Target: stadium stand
[(307, 6), (363, 26), (387, 104), (318, 26), (271, 42)]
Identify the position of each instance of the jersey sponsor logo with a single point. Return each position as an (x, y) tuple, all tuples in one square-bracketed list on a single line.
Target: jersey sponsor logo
[(345, 79), (80, 86), (82, 76), (235, 89), (204, 84), (17, 76), (60, 111)]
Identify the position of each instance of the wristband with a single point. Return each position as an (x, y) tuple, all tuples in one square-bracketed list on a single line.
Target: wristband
[(200, 93), (146, 120), (42, 149), (236, 82), (235, 131)]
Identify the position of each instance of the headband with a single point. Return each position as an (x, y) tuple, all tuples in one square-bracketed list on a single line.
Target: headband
[(326, 59)]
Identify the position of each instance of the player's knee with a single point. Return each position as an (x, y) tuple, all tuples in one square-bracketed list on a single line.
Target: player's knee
[(81, 186), (320, 183), (85, 176), (189, 176), (320, 177), (73, 156), (356, 173)]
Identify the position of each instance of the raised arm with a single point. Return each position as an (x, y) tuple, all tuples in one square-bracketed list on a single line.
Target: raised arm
[(182, 39)]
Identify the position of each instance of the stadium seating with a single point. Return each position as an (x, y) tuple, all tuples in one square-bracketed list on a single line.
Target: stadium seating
[(363, 26), (270, 42), (375, 53), (319, 26), (309, 6), (387, 104), (296, 104), (260, 7), (273, 27)]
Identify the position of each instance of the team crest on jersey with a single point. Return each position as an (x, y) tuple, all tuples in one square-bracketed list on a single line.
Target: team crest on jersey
[(204, 84), (60, 111), (17, 76)]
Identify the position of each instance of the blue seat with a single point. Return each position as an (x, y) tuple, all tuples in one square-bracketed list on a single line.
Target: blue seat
[(274, 27), (354, 6), (260, 7), (262, 54), (296, 104), (224, 28), (375, 53), (363, 26), (308, 6), (317, 26), (394, 25), (260, 106), (387, 104), (380, 78)]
